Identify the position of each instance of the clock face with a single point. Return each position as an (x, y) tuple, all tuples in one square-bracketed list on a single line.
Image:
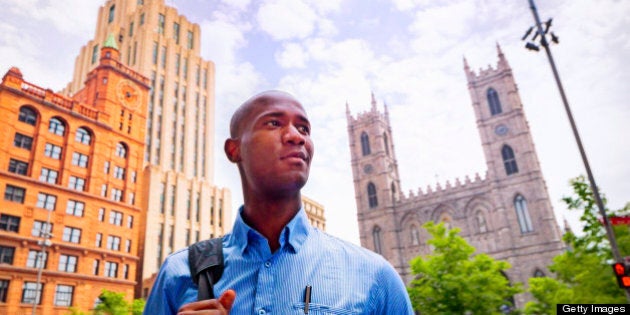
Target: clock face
[(367, 168), (128, 94), (501, 130)]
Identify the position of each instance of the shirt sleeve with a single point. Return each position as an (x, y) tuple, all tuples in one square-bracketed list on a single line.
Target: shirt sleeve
[(391, 295), (172, 288)]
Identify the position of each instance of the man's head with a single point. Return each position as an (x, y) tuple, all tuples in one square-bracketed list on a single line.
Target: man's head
[(271, 144)]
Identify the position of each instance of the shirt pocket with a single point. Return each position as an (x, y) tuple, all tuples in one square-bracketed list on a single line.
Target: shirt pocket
[(321, 309)]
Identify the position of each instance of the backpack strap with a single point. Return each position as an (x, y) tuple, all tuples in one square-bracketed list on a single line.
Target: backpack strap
[(205, 259)]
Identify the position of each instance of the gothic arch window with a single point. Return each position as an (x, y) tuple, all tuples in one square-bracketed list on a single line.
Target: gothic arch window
[(28, 115), (121, 150), (482, 226), (372, 198), (539, 273), (493, 102), (522, 214), (365, 144), (509, 161), (83, 136), (385, 143), (448, 221), (414, 233), (393, 188), (376, 236), (56, 126)]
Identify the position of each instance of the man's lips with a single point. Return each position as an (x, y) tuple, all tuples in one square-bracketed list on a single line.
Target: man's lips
[(295, 155)]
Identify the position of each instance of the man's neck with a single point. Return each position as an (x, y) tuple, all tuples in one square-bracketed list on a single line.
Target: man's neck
[(269, 217)]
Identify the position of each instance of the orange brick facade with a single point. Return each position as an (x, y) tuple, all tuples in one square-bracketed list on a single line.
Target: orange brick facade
[(76, 164)]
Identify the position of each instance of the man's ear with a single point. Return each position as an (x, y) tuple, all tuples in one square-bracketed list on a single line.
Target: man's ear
[(232, 150)]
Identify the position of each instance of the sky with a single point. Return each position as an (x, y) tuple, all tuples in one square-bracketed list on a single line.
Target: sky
[(409, 53)]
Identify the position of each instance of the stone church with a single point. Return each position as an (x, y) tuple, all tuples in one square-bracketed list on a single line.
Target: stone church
[(506, 213)]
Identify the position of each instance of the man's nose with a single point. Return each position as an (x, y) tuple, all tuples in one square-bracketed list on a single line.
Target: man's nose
[(293, 136)]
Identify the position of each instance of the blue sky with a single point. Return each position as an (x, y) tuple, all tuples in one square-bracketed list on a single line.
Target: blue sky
[(409, 53)]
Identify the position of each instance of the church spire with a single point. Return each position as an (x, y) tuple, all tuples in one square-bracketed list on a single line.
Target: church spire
[(373, 102), (503, 64)]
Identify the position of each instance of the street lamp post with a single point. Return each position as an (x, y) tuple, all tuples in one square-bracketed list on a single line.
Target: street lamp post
[(38, 260), (598, 200)]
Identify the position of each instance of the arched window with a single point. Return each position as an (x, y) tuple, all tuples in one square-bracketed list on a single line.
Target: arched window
[(385, 143), (365, 144), (57, 127), (538, 273), (121, 150), (415, 234), (522, 214), (27, 115), (448, 221), (376, 236), (83, 136), (372, 198), (482, 227), (509, 161), (393, 188), (493, 102)]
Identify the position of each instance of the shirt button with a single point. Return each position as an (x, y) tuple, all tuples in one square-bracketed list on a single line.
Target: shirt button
[(267, 264), (261, 312)]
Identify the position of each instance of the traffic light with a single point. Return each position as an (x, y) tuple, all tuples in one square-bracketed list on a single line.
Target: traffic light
[(622, 272)]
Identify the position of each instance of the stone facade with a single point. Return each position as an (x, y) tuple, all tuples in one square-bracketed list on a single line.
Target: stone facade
[(505, 213)]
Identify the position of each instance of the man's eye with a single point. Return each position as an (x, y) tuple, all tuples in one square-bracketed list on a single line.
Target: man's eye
[(304, 129), (273, 123)]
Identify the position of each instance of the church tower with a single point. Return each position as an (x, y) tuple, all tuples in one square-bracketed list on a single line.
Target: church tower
[(376, 180)]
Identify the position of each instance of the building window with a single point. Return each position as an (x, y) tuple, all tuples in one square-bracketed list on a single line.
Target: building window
[(115, 218), (101, 214), (80, 159), (52, 151), (46, 201), (509, 161), (131, 29), (72, 235), (130, 221), (522, 214), (48, 176), (176, 33), (385, 144), (6, 254), (94, 54), (34, 260), (96, 266), (482, 227), (493, 102), (117, 194), (113, 242), (112, 10), (365, 144), (155, 52), (76, 183), (14, 193), (18, 167), (126, 271), (4, 290), (121, 150), (23, 141), (111, 269), (32, 293), (376, 236), (538, 273), (9, 223), (27, 115), (63, 295), (99, 240), (161, 19), (415, 234), (75, 208), (119, 172), (128, 246), (189, 40), (372, 198), (56, 127), (67, 263), (163, 57), (83, 136), (106, 167), (41, 229)]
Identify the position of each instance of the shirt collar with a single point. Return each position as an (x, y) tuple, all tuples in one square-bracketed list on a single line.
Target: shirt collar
[(294, 234)]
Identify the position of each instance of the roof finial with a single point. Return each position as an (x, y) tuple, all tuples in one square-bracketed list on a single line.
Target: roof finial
[(110, 42)]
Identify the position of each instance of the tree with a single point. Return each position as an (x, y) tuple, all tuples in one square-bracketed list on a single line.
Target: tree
[(582, 273), (453, 281), (114, 303)]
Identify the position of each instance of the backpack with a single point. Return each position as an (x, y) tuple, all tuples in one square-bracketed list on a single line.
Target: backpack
[(205, 259)]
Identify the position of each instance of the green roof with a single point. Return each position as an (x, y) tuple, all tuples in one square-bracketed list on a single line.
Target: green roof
[(110, 42)]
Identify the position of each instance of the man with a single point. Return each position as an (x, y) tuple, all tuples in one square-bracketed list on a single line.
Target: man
[(275, 261)]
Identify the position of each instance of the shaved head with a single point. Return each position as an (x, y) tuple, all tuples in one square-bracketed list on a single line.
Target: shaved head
[(242, 113)]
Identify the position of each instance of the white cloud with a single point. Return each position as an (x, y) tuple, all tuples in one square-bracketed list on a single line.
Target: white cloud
[(292, 56), (287, 19), (221, 40)]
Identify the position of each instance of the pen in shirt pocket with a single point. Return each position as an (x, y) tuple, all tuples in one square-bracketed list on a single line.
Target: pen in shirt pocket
[(307, 298)]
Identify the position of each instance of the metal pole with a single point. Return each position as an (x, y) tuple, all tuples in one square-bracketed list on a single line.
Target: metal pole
[(40, 254), (609, 231)]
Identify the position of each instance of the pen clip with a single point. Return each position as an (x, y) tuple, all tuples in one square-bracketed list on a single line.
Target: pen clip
[(307, 298)]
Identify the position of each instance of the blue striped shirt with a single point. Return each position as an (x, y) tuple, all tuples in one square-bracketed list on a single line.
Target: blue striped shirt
[(345, 278)]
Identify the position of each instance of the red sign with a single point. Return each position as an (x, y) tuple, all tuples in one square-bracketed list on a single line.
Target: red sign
[(619, 220)]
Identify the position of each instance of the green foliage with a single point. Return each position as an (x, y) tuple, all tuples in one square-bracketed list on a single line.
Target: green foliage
[(76, 311), (114, 303), (453, 281), (583, 273)]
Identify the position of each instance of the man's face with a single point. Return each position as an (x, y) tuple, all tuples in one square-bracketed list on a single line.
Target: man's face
[(275, 149)]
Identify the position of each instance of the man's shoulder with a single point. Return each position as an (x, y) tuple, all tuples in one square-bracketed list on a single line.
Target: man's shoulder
[(346, 248)]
